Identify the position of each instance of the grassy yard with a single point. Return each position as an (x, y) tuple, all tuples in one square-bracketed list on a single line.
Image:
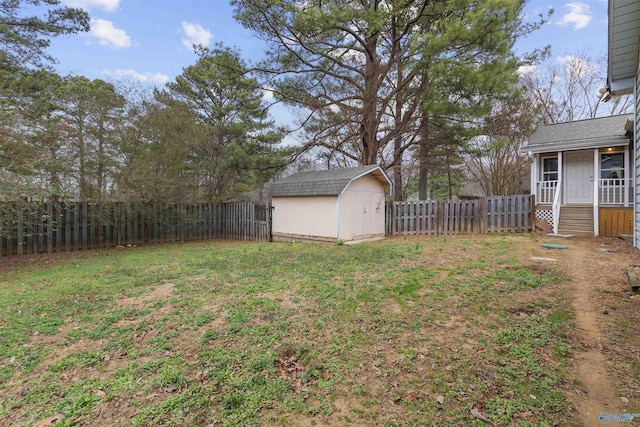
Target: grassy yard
[(396, 332)]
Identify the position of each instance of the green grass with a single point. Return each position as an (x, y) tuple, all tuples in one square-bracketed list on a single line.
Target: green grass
[(285, 334)]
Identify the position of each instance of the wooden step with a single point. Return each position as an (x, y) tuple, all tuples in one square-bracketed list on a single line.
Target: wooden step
[(574, 227), (576, 220), (577, 211), (580, 233), (586, 214)]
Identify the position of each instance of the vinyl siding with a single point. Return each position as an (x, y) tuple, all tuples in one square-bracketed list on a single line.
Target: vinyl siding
[(637, 157)]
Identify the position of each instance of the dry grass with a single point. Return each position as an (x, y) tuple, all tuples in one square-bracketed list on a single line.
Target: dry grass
[(397, 332)]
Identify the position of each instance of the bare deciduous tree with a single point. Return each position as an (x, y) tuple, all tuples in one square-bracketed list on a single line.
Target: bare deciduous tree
[(494, 159), (565, 88)]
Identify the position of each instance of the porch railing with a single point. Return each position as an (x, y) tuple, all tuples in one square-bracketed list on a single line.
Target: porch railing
[(614, 191), (546, 192)]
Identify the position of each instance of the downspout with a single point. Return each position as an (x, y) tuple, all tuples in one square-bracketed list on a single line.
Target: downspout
[(635, 153), (626, 175), (596, 191)]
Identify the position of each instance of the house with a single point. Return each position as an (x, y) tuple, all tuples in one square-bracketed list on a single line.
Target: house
[(622, 78), (331, 205), (580, 175)]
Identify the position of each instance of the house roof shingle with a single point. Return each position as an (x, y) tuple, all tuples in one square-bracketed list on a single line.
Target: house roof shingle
[(325, 183), (580, 134)]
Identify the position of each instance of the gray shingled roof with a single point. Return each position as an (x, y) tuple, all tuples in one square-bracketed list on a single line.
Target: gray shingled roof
[(591, 133), (325, 183)]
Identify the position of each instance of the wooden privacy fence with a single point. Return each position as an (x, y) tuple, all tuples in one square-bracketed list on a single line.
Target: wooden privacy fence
[(55, 227), (496, 214)]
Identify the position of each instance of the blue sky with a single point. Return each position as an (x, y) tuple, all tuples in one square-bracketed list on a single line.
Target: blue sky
[(151, 40), (147, 40)]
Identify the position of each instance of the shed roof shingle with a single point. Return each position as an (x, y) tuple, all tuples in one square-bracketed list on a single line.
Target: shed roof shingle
[(325, 183), (580, 134)]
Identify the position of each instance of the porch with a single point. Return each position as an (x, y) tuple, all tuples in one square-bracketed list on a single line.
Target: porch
[(572, 201), (616, 192), (582, 166)]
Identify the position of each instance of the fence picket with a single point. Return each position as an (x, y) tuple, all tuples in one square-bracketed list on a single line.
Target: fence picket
[(76, 226), (55, 227), (496, 214)]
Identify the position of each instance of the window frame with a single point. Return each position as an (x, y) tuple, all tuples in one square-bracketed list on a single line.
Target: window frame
[(620, 170), (544, 174)]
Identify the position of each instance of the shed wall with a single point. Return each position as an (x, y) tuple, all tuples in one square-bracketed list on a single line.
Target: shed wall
[(361, 209), (309, 218)]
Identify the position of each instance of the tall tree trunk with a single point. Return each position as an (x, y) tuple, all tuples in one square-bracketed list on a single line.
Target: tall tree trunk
[(369, 126), (397, 171), (397, 143), (449, 173), (102, 182), (82, 164), (423, 158)]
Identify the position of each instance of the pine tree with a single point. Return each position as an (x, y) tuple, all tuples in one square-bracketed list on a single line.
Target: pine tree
[(239, 148)]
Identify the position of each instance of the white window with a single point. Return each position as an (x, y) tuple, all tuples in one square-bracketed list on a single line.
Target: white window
[(549, 168), (612, 165)]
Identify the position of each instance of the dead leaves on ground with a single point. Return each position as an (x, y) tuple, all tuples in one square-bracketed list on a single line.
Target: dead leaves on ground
[(49, 422), (290, 367)]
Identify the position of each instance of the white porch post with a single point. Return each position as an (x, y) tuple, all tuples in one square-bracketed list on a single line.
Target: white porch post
[(560, 173), (626, 176), (557, 199), (535, 164), (596, 189)]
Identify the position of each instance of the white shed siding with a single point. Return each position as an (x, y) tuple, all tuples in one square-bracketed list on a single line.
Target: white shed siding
[(305, 217), (362, 209)]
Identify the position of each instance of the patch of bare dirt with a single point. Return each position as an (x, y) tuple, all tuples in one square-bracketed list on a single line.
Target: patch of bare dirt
[(393, 306), (283, 298), (160, 293), (594, 266)]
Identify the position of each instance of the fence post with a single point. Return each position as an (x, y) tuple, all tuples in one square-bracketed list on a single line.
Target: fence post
[(485, 218), (387, 219), (532, 213), (20, 231), (59, 223), (3, 231)]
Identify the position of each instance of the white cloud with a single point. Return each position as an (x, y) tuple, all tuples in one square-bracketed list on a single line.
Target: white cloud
[(527, 70), (108, 35), (577, 66), (195, 34), (107, 5), (267, 93), (579, 15), (334, 108), (156, 78), (303, 4)]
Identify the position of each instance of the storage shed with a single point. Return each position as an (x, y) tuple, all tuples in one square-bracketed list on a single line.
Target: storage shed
[(337, 204)]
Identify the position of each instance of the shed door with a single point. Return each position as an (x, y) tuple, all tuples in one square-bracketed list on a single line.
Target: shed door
[(369, 214), (363, 213), (358, 209), (579, 177)]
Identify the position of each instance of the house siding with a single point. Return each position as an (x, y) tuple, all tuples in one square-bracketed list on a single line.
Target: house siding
[(637, 157)]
